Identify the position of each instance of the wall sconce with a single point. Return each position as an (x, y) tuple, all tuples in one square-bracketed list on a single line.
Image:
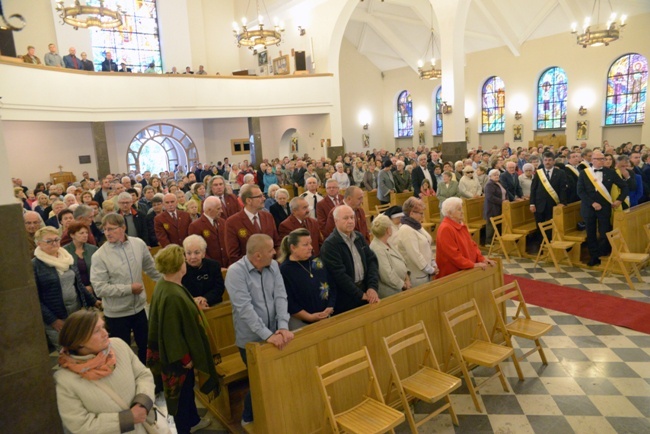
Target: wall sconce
[(445, 108), (302, 30), (365, 126), (517, 115), (421, 123), (467, 120), (582, 111)]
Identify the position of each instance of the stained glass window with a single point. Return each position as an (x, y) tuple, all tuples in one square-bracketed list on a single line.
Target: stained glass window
[(136, 42), (493, 105), (627, 83), (438, 112), (404, 115), (551, 99)]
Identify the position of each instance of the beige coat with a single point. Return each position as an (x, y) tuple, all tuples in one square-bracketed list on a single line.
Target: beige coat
[(415, 247), (392, 269), (469, 187)]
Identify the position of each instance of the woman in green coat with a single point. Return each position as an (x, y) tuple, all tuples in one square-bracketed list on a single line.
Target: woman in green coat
[(178, 343)]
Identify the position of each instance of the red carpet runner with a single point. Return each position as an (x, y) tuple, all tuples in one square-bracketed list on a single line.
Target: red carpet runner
[(617, 311)]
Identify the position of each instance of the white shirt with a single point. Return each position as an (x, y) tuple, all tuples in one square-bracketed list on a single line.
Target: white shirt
[(427, 175), (309, 197), (250, 217)]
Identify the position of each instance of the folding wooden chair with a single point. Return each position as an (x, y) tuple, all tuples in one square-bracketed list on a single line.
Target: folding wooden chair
[(622, 257), (549, 248), (428, 383), (646, 227), (503, 239), (381, 208), (523, 327), (371, 415), (481, 351)]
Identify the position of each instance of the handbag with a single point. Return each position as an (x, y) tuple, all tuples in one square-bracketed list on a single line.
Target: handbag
[(156, 421)]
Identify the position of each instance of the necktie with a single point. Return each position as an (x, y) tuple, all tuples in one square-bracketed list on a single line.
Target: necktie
[(548, 175), (175, 218), (315, 203), (74, 62), (223, 204), (256, 223)]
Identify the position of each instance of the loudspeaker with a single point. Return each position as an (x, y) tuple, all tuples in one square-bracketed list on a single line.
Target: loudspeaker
[(7, 46), (301, 63)]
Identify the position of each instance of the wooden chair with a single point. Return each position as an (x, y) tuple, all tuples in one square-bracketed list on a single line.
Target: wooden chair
[(549, 248), (622, 257), (646, 227), (371, 415), (520, 326), (503, 239), (480, 351), (381, 208), (428, 383)]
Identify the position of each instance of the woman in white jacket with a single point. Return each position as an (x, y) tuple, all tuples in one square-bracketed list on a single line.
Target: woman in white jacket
[(414, 243), (393, 274)]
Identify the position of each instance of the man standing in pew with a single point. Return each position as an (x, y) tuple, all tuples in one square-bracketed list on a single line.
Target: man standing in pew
[(594, 185), (510, 181), (572, 173), (548, 189), (259, 302)]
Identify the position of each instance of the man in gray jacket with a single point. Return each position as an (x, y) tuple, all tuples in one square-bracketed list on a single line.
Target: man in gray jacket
[(259, 302), (116, 276)]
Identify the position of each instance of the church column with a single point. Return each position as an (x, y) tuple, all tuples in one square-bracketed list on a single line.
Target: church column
[(101, 149), (255, 131), (26, 382), (452, 17)]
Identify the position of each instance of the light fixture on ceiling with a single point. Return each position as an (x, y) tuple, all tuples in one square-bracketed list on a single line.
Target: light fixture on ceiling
[(432, 73), (582, 111), (517, 115), (259, 37), (595, 35), (85, 16), (6, 24)]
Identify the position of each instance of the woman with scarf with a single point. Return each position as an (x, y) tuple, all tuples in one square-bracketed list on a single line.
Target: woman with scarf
[(178, 342), (92, 368), (414, 243), (60, 289)]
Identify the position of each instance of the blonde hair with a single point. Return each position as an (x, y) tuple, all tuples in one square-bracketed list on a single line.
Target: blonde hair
[(38, 236), (108, 206), (170, 259), (380, 225)]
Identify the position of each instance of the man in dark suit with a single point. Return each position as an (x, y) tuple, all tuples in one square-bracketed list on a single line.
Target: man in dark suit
[(547, 190), (156, 209), (212, 228), (594, 185), (249, 221), (351, 263), (171, 225), (136, 221), (229, 202), (123, 68), (422, 172), (299, 218), (510, 181), (354, 199), (331, 200), (298, 177), (102, 193), (109, 65), (572, 173), (260, 175)]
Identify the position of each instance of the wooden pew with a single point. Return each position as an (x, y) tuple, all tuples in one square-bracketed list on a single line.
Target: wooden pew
[(518, 219), (289, 188), (399, 198), (473, 217), (370, 201), (284, 386), (432, 216), (631, 223), (148, 283), (566, 220)]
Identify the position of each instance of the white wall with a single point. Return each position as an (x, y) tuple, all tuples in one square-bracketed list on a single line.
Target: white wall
[(39, 30), (217, 136), (310, 129)]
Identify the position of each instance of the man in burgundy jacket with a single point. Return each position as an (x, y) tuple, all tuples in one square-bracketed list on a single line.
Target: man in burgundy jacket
[(229, 202), (299, 218), (171, 225), (251, 220), (212, 228), (354, 199), (331, 200)]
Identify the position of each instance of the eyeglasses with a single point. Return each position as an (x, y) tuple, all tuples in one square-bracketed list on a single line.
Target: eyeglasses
[(257, 197), (52, 241), (597, 158), (108, 230)]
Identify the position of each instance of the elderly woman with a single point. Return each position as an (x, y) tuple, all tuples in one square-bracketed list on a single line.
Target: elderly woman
[(526, 179), (81, 251), (280, 210), (60, 289), (414, 243), (90, 361), (393, 274), (193, 209), (203, 278), (309, 292), (341, 177), (69, 200), (198, 195), (269, 179), (447, 188), (370, 177), (178, 342), (495, 195), (469, 187), (455, 248), (270, 200)]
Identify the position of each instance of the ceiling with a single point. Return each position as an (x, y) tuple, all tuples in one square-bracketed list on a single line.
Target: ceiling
[(395, 33)]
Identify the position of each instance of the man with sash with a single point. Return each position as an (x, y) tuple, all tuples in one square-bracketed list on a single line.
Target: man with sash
[(572, 173), (594, 185), (548, 189)]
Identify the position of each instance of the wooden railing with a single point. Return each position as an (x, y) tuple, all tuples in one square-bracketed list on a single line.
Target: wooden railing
[(631, 223)]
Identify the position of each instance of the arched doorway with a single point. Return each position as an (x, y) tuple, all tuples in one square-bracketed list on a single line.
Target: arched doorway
[(289, 143), (161, 147)]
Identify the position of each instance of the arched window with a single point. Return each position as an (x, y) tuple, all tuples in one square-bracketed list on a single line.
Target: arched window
[(404, 115), (135, 42), (438, 112), (627, 83), (551, 99), (161, 147), (493, 105)]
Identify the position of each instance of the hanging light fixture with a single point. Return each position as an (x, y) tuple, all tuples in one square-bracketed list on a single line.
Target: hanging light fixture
[(85, 16), (258, 38), (15, 22), (432, 73), (595, 35)]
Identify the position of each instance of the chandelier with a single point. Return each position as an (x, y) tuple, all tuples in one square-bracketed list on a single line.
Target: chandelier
[(595, 36), (433, 73), (6, 23), (84, 16), (259, 37)]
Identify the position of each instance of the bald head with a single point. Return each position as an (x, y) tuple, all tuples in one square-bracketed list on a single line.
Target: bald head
[(169, 202), (344, 219), (260, 251), (353, 197), (212, 207), (33, 222)]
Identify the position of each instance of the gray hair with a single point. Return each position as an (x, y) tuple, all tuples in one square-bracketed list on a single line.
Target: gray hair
[(380, 225), (528, 166), (295, 201), (124, 196), (493, 171), (331, 181), (281, 191), (195, 239), (84, 211), (248, 177), (157, 198), (451, 204), (338, 209)]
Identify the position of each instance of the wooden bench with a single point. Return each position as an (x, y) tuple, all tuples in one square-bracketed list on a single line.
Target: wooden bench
[(432, 216), (284, 384), (289, 188), (518, 219), (370, 201), (566, 220), (398, 199), (473, 217), (631, 222), (149, 284)]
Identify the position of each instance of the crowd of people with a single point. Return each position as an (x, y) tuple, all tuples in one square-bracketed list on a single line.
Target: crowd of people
[(289, 263)]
